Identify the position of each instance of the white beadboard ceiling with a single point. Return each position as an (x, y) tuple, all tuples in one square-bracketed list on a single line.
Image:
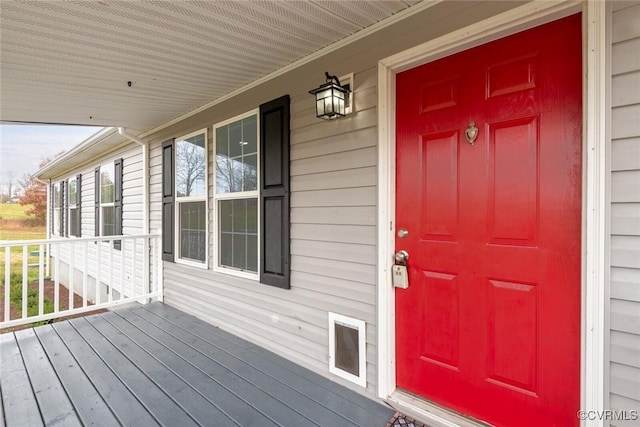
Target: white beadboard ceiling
[(69, 62)]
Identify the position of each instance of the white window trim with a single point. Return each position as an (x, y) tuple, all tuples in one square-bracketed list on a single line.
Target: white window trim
[(238, 195), (178, 200), (594, 211), (360, 326)]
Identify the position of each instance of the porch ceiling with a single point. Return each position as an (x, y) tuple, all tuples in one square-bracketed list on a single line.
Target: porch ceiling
[(70, 62)]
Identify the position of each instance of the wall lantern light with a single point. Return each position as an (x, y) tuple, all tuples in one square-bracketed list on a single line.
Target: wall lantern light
[(331, 98)]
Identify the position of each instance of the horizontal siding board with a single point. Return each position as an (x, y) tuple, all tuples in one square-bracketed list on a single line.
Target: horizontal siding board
[(625, 349), (355, 215), (360, 234), (625, 24), (625, 56), (625, 381), (334, 162), (363, 254), (363, 196), (624, 186), (625, 219), (625, 121), (625, 316), (625, 154), (625, 251), (356, 291), (625, 405), (349, 178), (355, 140), (335, 269), (625, 284), (620, 93)]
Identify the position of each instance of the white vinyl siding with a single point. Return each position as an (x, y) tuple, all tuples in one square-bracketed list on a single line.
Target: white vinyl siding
[(624, 368), (132, 224)]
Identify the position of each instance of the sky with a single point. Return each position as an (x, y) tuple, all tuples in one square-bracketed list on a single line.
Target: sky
[(22, 147)]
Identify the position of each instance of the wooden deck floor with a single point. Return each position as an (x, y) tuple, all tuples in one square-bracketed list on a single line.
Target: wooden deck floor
[(155, 365)]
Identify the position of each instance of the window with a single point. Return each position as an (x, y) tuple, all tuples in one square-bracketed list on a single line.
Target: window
[(250, 196), (108, 200), (191, 197), (236, 194), (74, 206), (57, 209)]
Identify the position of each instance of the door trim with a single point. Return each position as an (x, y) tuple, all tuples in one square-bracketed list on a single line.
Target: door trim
[(595, 271)]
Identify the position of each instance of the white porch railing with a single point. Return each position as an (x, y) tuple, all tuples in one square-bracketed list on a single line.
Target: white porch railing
[(35, 271)]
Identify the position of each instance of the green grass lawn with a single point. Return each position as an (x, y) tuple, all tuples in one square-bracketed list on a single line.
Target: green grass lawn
[(13, 211), (15, 225)]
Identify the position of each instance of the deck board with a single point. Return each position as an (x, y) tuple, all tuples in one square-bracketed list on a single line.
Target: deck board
[(56, 409), (155, 365), (353, 409), (89, 405), (18, 399)]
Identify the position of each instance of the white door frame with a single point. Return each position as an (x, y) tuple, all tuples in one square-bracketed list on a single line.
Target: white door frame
[(594, 196)]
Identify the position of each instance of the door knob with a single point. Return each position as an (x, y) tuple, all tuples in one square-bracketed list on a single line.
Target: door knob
[(402, 256)]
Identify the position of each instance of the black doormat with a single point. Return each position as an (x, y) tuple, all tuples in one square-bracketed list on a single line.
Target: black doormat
[(399, 420)]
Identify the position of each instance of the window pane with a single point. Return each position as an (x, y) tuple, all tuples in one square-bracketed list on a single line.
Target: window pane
[(238, 245), (74, 217), (191, 168), (56, 195), (236, 156), (56, 221), (106, 184), (73, 191), (108, 218), (249, 134), (192, 230)]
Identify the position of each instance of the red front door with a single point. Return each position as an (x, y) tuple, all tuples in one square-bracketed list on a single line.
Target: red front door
[(490, 323)]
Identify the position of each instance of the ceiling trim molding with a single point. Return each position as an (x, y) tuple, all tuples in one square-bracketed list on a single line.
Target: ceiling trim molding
[(403, 14)]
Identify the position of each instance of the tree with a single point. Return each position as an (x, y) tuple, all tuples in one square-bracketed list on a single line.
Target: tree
[(34, 193)]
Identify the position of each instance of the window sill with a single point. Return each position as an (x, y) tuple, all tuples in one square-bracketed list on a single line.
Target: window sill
[(236, 273), (200, 265)]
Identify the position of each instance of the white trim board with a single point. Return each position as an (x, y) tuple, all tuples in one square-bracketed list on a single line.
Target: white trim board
[(594, 179)]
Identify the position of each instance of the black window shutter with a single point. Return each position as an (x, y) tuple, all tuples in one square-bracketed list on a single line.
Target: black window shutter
[(78, 230), (117, 200), (168, 200), (97, 203), (64, 212), (274, 193)]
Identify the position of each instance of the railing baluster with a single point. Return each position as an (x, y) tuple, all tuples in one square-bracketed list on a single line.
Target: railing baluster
[(57, 268), (7, 285), (133, 267), (122, 246), (72, 276), (56, 285), (146, 267), (110, 270), (41, 280), (85, 275), (25, 279), (98, 272)]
